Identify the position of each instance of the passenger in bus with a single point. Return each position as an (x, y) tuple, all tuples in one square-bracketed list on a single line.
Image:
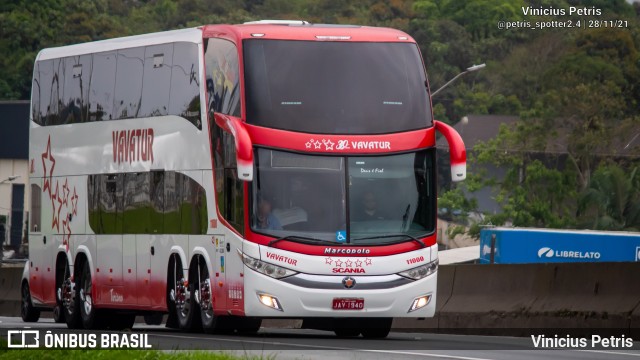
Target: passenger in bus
[(265, 218), (369, 210)]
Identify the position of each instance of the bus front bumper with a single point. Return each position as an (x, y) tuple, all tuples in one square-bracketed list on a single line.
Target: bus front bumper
[(268, 297)]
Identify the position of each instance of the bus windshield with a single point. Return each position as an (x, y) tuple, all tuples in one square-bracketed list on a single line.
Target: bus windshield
[(329, 87), (364, 200)]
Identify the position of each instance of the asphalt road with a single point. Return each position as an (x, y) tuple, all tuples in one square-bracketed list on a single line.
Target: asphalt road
[(312, 344)]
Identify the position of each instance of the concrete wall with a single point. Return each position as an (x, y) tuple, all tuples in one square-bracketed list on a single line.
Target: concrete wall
[(517, 299)]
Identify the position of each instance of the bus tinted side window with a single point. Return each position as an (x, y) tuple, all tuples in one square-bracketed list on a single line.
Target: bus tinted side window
[(149, 81), (103, 81), (36, 88), (155, 202), (74, 103), (156, 82), (128, 93), (36, 208), (56, 89), (185, 83), (229, 189), (223, 77)]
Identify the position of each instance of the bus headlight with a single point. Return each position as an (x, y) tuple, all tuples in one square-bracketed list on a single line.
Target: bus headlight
[(268, 269), (421, 271)]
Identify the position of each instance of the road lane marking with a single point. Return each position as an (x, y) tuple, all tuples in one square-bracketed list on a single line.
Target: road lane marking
[(612, 352), (424, 354), (327, 347)]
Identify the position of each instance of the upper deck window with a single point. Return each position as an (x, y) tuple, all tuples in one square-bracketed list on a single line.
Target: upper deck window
[(138, 82), (335, 87)]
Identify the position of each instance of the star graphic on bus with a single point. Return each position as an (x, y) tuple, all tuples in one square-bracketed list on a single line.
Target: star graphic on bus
[(358, 263), (55, 221), (65, 192), (328, 144), (74, 202), (309, 143), (348, 263), (47, 159), (317, 144), (338, 263), (367, 261), (328, 260), (59, 207)]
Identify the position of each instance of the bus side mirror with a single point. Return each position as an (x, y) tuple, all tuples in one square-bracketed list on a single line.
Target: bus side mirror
[(457, 151), (243, 144)]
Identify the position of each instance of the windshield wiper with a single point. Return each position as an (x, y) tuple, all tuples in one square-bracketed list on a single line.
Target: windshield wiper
[(305, 240), (422, 245), (405, 217)]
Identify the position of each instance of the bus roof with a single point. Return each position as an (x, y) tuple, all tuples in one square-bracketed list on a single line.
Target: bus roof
[(309, 32), (193, 35), (280, 31)]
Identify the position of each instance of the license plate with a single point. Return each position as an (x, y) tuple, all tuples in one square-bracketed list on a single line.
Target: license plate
[(348, 304)]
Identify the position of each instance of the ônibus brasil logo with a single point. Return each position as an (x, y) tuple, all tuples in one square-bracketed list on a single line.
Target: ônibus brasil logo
[(547, 252)]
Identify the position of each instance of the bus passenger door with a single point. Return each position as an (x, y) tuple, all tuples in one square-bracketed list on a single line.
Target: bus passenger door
[(143, 262), (129, 269), (37, 242)]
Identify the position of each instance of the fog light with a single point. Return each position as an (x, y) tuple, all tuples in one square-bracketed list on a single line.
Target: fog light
[(419, 302), (270, 301)]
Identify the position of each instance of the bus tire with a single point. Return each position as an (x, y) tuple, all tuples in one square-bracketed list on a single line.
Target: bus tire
[(172, 318), (210, 322), (377, 328), (61, 273), (58, 314), (187, 309), (90, 316), (27, 311), (70, 301)]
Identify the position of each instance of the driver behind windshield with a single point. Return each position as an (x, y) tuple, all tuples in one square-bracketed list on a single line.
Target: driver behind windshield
[(369, 210), (264, 218)]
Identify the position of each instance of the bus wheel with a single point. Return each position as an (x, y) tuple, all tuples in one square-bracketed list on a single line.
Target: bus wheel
[(204, 297), (185, 302), (377, 328), (248, 326), (58, 314), (70, 302), (88, 312), (172, 318), (27, 311)]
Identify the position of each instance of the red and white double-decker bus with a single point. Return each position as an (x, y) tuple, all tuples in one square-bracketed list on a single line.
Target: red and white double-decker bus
[(230, 173)]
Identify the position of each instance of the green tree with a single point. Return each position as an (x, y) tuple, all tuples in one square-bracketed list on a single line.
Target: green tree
[(612, 200)]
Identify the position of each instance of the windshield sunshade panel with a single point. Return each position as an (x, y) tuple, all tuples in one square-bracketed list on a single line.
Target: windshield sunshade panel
[(335, 87)]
